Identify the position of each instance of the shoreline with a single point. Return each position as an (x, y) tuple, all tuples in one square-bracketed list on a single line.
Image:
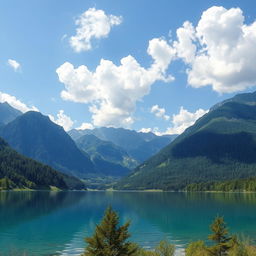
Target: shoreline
[(133, 191)]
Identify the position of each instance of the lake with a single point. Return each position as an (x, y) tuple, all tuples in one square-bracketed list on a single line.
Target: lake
[(55, 223)]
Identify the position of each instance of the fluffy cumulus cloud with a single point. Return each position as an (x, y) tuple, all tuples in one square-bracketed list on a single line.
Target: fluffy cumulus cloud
[(162, 53), (145, 130), (184, 119), (15, 103), (85, 126), (185, 48), (92, 24), (220, 50), (14, 64), (62, 120), (159, 112), (113, 90)]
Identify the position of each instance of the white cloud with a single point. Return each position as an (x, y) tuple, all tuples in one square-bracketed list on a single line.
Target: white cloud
[(183, 120), (62, 120), (113, 90), (92, 24), (145, 130), (161, 52), (185, 48), (14, 64), (85, 126), (220, 50), (159, 112), (15, 103)]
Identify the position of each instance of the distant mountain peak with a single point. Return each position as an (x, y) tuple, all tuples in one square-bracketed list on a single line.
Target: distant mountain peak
[(8, 113), (137, 145), (35, 135)]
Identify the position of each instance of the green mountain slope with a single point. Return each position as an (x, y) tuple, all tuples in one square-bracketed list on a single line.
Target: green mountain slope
[(108, 158), (139, 146), (17, 171), (35, 136), (221, 145)]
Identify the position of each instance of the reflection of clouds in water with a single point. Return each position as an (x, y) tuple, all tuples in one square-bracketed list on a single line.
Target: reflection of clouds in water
[(179, 252), (76, 246)]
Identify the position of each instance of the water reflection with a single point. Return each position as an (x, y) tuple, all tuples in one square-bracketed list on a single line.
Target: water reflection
[(46, 223)]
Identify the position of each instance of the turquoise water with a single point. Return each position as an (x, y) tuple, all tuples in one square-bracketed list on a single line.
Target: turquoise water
[(55, 223)]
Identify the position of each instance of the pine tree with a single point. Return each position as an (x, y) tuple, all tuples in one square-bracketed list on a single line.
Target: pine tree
[(220, 237), (109, 239)]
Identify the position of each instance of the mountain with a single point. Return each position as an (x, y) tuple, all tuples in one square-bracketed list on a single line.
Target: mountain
[(149, 148), (8, 113), (139, 146), (108, 158), (127, 139), (17, 171), (220, 146), (76, 134), (35, 136)]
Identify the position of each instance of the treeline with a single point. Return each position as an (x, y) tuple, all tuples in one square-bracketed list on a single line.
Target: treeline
[(111, 239), (239, 185), (17, 171), (177, 174)]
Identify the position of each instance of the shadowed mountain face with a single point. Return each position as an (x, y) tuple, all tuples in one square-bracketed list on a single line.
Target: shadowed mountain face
[(239, 146), (35, 136), (219, 146), (8, 113), (127, 139), (17, 171)]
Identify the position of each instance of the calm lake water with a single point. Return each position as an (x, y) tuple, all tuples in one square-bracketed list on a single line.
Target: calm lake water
[(55, 223)]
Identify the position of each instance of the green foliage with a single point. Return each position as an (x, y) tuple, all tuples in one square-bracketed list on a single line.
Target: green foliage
[(164, 249), (220, 237), (197, 248), (6, 184), (237, 185), (225, 245), (109, 239), (242, 247), (238, 250)]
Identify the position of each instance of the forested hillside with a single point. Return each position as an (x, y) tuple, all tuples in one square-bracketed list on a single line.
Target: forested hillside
[(219, 146), (35, 135), (17, 171)]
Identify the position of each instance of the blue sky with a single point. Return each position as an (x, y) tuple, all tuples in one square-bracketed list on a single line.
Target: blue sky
[(36, 41)]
